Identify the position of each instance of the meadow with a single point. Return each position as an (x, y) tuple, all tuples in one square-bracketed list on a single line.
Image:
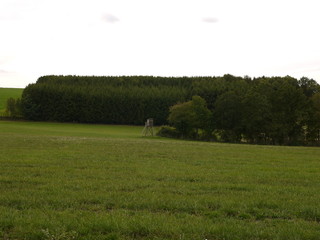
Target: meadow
[(76, 181), (6, 93)]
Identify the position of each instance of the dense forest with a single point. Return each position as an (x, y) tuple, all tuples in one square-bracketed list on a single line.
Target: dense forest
[(271, 110), (116, 100)]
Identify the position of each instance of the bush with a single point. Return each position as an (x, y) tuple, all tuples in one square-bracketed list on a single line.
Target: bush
[(166, 131)]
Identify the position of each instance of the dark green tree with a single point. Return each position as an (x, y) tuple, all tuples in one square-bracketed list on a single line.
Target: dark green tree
[(289, 110), (313, 125), (309, 86), (256, 115), (228, 116)]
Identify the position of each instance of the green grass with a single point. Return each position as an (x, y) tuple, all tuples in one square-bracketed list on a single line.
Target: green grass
[(75, 181), (6, 93)]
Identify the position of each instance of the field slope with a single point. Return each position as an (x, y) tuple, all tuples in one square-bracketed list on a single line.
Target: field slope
[(73, 181), (6, 93)]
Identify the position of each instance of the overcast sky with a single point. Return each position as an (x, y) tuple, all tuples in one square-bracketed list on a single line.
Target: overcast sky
[(158, 37)]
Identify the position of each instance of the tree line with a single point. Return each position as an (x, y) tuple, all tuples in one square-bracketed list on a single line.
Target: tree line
[(270, 110), (113, 100), (277, 110)]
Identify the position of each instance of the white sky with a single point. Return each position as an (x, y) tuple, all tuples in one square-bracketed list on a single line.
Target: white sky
[(158, 37)]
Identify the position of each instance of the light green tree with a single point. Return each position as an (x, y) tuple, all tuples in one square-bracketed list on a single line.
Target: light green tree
[(190, 117)]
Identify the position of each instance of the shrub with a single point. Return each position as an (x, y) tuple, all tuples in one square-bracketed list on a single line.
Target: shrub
[(166, 131)]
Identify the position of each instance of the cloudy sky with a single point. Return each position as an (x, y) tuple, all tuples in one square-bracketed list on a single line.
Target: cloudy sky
[(158, 37)]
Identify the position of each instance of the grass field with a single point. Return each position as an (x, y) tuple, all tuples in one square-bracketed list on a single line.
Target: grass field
[(6, 93), (74, 181)]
